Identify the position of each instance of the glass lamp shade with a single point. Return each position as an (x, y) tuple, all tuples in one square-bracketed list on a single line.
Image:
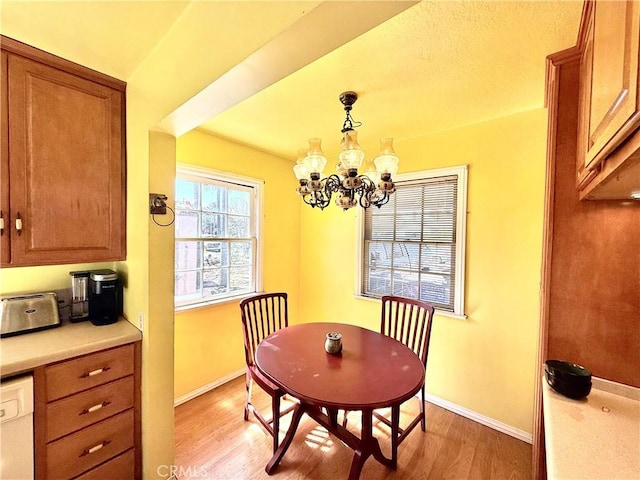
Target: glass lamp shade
[(301, 154), (386, 161), (315, 160), (300, 171), (370, 171), (351, 155)]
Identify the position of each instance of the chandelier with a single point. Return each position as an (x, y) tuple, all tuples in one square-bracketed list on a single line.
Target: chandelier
[(373, 187)]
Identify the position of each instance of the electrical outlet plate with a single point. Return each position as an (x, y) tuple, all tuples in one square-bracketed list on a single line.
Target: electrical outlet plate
[(157, 204)]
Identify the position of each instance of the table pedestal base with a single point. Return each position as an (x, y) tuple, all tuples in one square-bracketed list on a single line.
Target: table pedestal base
[(363, 447)]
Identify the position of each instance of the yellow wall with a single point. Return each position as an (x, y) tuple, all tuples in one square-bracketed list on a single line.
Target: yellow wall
[(40, 279), (485, 363), (208, 341)]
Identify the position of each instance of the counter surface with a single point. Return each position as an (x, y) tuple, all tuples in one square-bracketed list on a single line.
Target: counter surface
[(25, 352), (594, 438)]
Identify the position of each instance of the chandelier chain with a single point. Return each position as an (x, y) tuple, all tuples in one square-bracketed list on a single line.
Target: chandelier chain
[(349, 123)]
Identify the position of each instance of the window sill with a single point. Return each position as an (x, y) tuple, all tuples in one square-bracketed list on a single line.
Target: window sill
[(442, 313), (212, 303)]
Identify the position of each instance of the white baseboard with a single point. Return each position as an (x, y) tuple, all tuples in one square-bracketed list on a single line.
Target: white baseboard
[(440, 402), (482, 419), (205, 388)]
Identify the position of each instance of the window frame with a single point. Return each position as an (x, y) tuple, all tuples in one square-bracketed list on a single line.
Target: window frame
[(461, 173), (204, 174)]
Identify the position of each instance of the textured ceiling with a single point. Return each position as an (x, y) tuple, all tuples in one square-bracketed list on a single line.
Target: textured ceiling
[(429, 67), (435, 66)]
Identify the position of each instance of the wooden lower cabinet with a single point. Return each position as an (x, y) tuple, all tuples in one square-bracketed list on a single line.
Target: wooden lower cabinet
[(121, 466), (87, 416), (89, 447)]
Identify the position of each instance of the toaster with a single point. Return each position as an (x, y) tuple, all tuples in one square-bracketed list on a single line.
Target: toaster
[(28, 313)]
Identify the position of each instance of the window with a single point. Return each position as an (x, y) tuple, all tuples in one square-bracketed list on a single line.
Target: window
[(414, 245), (217, 254)]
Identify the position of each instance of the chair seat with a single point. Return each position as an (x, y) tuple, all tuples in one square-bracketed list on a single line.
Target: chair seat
[(263, 381)]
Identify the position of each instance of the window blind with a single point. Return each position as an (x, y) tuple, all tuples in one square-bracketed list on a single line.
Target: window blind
[(410, 243)]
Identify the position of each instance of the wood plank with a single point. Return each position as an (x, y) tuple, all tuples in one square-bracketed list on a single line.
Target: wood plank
[(213, 441)]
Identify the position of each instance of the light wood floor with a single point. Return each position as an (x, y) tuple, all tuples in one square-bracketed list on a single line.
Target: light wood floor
[(213, 442)]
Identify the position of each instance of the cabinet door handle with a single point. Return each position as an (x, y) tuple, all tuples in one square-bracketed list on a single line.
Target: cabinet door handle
[(19, 223), (93, 373), (95, 408), (95, 448), (1, 223)]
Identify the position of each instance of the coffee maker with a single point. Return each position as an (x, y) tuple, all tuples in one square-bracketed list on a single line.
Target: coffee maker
[(104, 297)]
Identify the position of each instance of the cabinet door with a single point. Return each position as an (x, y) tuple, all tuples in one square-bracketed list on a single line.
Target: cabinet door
[(609, 83), (5, 221), (66, 166)]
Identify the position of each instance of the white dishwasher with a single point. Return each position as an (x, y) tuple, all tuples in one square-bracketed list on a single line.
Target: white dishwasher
[(16, 429)]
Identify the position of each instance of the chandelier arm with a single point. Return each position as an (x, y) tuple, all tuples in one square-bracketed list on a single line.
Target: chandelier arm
[(364, 201), (383, 201), (332, 184), (366, 191), (368, 182), (321, 199), (306, 199)]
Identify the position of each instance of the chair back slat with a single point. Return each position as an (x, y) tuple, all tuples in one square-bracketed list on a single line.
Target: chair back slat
[(261, 316), (408, 321)]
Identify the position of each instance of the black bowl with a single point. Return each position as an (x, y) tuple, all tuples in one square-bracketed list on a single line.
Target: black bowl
[(568, 371), (568, 379)]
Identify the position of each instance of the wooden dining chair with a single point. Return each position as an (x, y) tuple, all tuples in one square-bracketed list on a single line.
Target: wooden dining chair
[(261, 316), (408, 321)]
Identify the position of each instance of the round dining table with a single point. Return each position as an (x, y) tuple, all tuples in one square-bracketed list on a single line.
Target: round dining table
[(371, 371)]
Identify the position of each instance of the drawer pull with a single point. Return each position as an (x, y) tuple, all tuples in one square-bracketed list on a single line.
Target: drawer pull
[(94, 449), (93, 373), (95, 408)]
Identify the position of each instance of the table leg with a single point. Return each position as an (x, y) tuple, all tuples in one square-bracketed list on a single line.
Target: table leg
[(332, 413), (356, 465), (363, 447), (368, 445), (298, 411)]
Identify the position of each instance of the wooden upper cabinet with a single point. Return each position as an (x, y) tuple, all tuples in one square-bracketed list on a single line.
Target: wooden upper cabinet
[(63, 142), (609, 96), (5, 221)]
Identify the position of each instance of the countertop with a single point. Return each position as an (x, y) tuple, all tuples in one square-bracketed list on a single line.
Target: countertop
[(594, 438), (25, 352)]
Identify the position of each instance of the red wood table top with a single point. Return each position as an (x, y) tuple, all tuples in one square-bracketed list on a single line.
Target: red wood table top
[(372, 371)]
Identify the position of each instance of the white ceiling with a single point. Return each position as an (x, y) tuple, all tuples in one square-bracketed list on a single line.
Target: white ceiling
[(433, 66)]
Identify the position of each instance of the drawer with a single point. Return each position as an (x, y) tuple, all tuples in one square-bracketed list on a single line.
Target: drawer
[(76, 453), (121, 468), (81, 410), (89, 371)]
